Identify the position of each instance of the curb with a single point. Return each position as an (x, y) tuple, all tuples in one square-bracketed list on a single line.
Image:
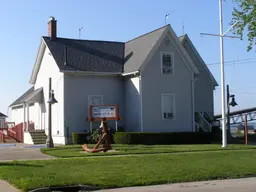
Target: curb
[(73, 188)]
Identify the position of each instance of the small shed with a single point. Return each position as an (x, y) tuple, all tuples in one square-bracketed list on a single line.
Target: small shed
[(2, 120)]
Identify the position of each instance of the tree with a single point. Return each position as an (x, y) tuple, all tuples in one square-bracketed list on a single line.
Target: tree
[(245, 15)]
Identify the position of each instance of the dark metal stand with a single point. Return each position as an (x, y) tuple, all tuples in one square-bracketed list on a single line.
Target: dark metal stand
[(52, 100)]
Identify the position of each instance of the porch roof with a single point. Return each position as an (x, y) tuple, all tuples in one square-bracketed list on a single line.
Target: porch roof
[(35, 96), (2, 115)]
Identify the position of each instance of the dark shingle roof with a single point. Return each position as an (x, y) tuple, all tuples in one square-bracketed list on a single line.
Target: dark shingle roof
[(20, 99), (102, 56), (2, 115), (87, 55)]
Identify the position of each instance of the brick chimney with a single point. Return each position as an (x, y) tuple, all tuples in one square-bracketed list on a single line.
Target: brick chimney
[(52, 28)]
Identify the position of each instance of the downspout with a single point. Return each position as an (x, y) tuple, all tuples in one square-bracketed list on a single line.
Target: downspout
[(24, 117), (193, 103), (141, 105)]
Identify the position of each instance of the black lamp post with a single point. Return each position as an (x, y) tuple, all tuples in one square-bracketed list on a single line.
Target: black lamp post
[(233, 104), (51, 101)]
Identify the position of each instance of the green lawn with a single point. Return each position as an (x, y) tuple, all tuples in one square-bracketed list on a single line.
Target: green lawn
[(75, 150), (124, 171)]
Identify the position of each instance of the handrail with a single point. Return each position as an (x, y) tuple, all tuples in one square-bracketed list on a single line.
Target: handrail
[(1, 136), (204, 124), (16, 132), (197, 127)]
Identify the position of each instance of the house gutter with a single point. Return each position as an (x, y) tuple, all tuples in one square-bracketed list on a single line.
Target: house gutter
[(130, 73), (141, 106), (193, 102), (90, 72)]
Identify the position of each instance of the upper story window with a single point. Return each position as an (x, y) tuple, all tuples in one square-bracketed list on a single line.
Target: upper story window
[(167, 64)]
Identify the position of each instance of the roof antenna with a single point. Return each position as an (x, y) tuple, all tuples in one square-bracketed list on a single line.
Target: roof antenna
[(183, 27), (166, 17), (80, 29), (65, 55)]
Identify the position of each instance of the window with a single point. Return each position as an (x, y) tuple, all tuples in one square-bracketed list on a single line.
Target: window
[(167, 63), (2, 123), (95, 100), (168, 106)]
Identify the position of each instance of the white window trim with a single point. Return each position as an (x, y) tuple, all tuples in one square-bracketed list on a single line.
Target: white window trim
[(161, 59), (89, 96), (174, 106)]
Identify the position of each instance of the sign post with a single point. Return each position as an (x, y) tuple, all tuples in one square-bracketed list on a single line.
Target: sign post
[(107, 112)]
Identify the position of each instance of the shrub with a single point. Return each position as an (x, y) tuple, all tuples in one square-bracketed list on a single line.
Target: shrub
[(162, 138), (96, 134), (79, 138)]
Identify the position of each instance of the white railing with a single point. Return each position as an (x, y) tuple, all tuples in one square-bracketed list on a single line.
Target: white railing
[(204, 124), (196, 127)]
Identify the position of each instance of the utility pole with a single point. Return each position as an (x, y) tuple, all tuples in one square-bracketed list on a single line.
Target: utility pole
[(223, 103), (224, 127)]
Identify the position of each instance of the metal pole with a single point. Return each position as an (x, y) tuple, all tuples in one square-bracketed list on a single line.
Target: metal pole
[(116, 126), (49, 141), (245, 129), (228, 109), (224, 127)]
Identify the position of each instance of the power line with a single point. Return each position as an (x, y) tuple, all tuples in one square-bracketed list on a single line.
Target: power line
[(235, 91), (239, 63), (234, 61)]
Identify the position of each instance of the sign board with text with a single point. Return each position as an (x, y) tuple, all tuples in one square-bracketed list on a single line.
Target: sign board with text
[(99, 112)]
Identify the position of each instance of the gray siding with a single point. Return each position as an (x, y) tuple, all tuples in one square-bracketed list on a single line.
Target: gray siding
[(76, 91), (203, 94), (154, 84), (203, 85), (132, 104)]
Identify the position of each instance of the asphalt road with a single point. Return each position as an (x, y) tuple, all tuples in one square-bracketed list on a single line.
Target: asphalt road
[(235, 185)]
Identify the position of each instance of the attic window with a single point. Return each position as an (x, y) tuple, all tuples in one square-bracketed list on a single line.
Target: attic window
[(167, 63)]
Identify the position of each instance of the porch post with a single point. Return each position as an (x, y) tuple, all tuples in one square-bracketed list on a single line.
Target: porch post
[(24, 116), (27, 116)]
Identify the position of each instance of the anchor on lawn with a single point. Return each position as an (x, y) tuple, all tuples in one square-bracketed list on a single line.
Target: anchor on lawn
[(105, 137)]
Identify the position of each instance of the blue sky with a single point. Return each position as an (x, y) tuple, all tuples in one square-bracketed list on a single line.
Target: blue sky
[(23, 22)]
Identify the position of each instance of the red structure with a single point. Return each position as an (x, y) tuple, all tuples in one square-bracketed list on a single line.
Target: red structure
[(105, 137), (13, 131)]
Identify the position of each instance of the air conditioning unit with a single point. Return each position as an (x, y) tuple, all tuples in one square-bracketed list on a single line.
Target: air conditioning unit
[(168, 115)]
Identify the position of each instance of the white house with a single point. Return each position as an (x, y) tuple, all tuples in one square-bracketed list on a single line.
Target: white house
[(158, 80)]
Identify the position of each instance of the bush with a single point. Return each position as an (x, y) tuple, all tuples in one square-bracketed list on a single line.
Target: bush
[(162, 138), (79, 138), (96, 134)]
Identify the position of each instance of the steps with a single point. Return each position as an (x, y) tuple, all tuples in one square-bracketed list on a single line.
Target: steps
[(8, 139), (38, 136)]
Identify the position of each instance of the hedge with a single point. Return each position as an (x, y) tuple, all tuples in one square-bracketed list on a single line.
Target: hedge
[(162, 138), (79, 138)]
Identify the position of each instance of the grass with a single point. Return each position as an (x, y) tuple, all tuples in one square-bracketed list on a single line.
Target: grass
[(130, 170), (75, 150)]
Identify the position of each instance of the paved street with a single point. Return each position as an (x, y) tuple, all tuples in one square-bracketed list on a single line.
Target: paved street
[(236, 185), (21, 152)]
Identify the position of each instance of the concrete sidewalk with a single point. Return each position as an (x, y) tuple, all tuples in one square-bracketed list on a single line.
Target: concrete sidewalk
[(6, 187), (22, 151), (234, 185)]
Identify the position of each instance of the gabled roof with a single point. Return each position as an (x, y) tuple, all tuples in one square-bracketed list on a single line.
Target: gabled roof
[(2, 115), (87, 55), (105, 56), (197, 59), (136, 50), (20, 100)]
